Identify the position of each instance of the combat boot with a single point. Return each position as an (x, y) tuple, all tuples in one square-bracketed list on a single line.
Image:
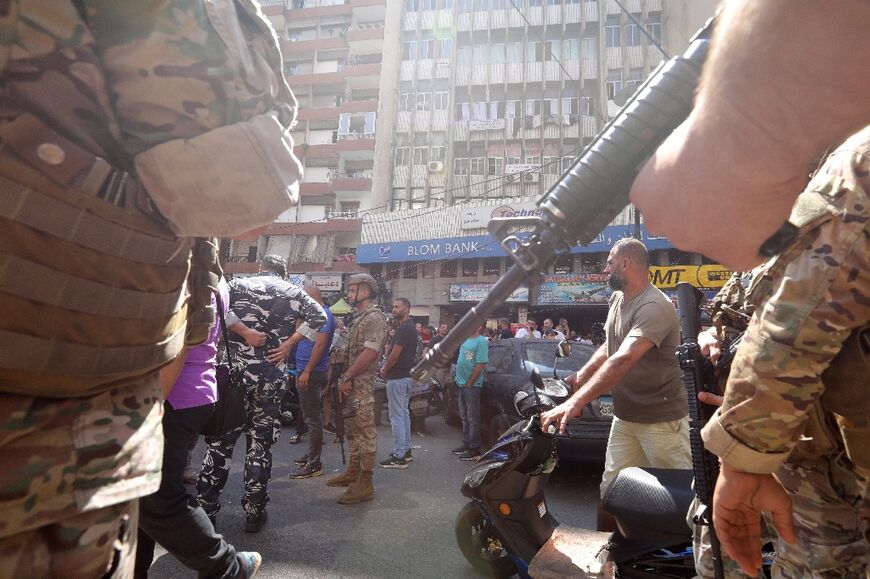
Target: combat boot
[(361, 490), (347, 478)]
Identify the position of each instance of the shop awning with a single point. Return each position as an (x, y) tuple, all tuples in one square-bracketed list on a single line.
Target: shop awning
[(340, 308)]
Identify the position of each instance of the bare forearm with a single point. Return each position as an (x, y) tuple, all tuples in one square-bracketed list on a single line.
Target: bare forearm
[(588, 370), (605, 378), (475, 373), (362, 363)]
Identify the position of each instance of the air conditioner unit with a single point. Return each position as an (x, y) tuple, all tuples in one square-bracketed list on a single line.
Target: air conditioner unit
[(436, 166), (531, 177)]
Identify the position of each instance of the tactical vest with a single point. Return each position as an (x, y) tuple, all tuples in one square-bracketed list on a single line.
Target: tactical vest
[(94, 287), (354, 345)]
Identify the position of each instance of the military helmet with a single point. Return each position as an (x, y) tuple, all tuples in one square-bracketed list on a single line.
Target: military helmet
[(360, 278)]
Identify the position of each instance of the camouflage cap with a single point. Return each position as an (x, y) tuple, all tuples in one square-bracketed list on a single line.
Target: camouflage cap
[(359, 278)]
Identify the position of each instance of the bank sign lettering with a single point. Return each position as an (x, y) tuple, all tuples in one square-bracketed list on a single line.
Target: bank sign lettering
[(454, 249)]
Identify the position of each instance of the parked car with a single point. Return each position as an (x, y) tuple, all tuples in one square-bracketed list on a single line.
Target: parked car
[(510, 363)]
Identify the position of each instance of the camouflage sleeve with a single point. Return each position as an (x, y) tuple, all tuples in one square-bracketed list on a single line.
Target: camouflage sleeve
[(234, 304), (309, 311), (814, 304), (375, 331)]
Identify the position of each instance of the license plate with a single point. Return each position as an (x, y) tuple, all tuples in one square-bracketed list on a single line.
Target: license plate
[(605, 407)]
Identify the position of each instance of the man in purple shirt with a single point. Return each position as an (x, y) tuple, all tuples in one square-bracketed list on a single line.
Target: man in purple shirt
[(170, 516)]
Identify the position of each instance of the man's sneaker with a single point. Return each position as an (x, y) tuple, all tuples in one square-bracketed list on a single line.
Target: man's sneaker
[(394, 462), (301, 461), (253, 523), (459, 450), (307, 470), (470, 454), (408, 456), (249, 563)]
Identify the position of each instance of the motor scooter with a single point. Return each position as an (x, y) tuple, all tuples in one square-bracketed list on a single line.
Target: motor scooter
[(426, 399)]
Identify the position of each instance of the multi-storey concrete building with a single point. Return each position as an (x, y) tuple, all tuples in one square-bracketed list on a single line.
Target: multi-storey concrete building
[(338, 62), (496, 98)]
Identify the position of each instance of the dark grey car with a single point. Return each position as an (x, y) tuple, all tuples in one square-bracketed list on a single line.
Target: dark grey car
[(511, 362)]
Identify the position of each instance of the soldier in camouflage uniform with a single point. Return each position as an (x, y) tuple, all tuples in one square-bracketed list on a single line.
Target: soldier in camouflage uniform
[(263, 313), (797, 402), (95, 246), (367, 331)]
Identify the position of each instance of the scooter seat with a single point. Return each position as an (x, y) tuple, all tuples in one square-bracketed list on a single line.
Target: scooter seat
[(650, 498)]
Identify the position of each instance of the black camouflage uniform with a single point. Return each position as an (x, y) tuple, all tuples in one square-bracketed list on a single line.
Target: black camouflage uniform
[(271, 305)]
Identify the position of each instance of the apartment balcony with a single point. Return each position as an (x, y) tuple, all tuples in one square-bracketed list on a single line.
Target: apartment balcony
[(273, 9), (306, 151), (590, 68), (573, 13), (442, 68), (315, 189), (369, 10), (356, 146), (346, 222), (633, 56), (498, 18), (465, 20), (614, 57), (316, 79), (553, 14), (366, 41), (590, 11), (362, 76), (633, 6), (299, 10), (313, 45), (348, 184)]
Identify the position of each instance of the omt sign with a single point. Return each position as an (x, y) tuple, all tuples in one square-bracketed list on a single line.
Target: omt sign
[(700, 276)]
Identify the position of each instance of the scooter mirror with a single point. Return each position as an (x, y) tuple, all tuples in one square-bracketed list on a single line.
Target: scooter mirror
[(536, 379), (564, 349)]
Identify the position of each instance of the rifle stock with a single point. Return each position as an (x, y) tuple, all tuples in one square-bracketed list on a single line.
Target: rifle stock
[(593, 191), (337, 409), (698, 376)]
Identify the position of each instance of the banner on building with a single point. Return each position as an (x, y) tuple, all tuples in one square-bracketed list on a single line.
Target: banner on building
[(475, 292), (297, 279), (700, 276), (486, 125), (574, 288), (478, 217)]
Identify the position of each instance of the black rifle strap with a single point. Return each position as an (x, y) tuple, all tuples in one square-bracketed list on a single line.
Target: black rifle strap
[(223, 322)]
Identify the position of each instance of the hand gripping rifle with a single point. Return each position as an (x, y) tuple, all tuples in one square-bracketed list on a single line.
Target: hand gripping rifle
[(588, 197), (698, 376)]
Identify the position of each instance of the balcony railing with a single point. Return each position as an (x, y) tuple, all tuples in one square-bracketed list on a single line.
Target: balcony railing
[(355, 136), (343, 214)]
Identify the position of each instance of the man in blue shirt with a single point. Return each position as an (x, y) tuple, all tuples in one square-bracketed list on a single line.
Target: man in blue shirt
[(473, 357), (312, 363)]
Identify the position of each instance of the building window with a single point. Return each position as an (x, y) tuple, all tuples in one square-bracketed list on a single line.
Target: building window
[(460, 166), (409, 270), (492, 266), (403, 155), (551, 165), (496, 53), (533, 107), (400, 204), (410, 5), (514, 52), (611, 32), (512, 109), (464, 55), (481, 5), (495, 166), (571, 49), (421, 155), (410, 51), (426, 49), (567, 163), (533, 52), (478, 54), (423, 101), (533, 3), (442, 98), (436, 197), (553, 50), (632, 32), (564, 264), (438, 153), (499, 4), (477, 165), (428, 268), (469, 268), (445, 48), (406, 101), (448, 268), (654, 25), (614, 82), (589, 48), (635, 77)]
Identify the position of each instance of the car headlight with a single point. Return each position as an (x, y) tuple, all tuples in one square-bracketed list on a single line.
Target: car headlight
[(479, 472)]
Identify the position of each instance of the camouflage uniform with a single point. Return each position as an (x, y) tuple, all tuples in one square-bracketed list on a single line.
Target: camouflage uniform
[(787, 408), (367, 329), (92, 278), (271, 305)]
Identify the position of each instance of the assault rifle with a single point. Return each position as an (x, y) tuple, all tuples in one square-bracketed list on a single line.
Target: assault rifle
[(337, 410), (699, 376)]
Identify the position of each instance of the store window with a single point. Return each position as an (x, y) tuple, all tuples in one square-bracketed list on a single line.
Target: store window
[(492, 266), (448, 268), (428, 268), (564, 264), (469, 268), (409, 270)]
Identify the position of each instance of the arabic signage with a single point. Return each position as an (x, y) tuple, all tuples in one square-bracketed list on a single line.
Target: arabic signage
[(700, 276), (574, 288), (325, 282), (487, 125), (477, 246), (475, 292), (478, 217), (521, 168)]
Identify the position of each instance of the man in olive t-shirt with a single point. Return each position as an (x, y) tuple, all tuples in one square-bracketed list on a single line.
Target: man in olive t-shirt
[(638, 363)]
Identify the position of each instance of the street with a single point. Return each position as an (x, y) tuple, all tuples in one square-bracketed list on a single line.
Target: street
[(405, 531)]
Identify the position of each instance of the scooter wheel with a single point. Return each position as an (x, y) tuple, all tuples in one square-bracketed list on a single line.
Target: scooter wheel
[(480, 544)]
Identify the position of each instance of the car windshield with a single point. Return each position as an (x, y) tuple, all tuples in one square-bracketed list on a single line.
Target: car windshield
[(543, 353)]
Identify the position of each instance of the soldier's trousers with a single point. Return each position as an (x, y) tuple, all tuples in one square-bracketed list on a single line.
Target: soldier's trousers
[(832, 518), (362, 435), (261, 431), (92, 545)]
